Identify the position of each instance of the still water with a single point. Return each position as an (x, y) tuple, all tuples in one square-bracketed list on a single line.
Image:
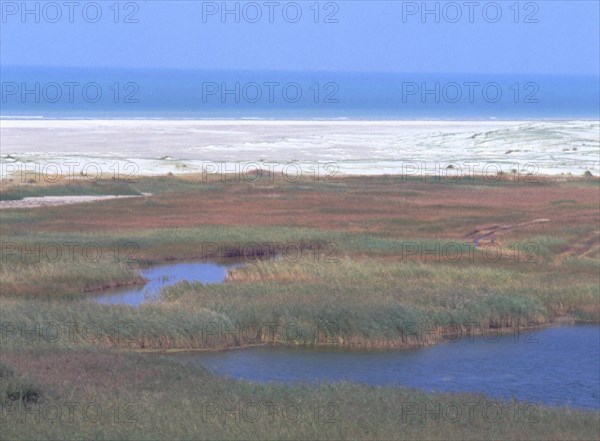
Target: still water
[(160, 276), (554, 366)]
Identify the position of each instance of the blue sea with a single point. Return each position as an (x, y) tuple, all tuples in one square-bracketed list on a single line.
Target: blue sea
[(56, 93)]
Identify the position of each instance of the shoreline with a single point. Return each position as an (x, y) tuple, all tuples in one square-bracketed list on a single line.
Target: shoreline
[(555, 322), (299, 119)]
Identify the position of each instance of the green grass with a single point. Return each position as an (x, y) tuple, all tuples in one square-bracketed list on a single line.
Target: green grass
[(66, 277), (352, 302), (17, 389), (371, 302), (11, 193), (564, 202), (145, 397), (53, 264), (15, 189), (358, 291)]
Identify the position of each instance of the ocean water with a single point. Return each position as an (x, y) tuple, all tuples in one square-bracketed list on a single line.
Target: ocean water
[(160, 121), (184, 94)]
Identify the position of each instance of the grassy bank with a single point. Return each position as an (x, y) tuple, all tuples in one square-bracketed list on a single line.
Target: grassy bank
[(63, 187), (52, 264), (347, 259), (362, 262), (362, 302), (128, 396)]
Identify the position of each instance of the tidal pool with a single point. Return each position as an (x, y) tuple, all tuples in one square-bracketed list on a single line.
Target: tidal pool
[(160, 276), (553, 366)]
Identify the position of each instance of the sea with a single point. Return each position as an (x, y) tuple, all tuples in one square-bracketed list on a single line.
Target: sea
[(193, 94), (167, 120)]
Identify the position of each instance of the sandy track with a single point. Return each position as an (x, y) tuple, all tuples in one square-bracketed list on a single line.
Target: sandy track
[(55, 201), (495, 230)]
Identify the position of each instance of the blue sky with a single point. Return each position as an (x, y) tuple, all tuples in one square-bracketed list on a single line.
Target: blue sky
[(370, 36)]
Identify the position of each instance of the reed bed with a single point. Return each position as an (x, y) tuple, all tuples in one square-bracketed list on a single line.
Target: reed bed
[(367, 295), (152, 397), (65, 278), (65, 187), (352, 303)]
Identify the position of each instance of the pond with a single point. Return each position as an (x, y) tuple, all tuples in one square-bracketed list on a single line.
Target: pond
[(554, 366), (159, 276)]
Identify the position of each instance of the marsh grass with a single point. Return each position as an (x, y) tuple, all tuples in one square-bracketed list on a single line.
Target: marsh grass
[(354, 302), (169, 400), (46, 264), (17, 388), (54, 264), (19, 187), (368, 295), (373, 303), (65, 278), (10, 191)]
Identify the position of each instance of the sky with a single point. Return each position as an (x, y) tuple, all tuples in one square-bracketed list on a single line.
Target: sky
[(549, 37)]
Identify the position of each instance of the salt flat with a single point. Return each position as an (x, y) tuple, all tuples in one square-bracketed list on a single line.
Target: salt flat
[(355, 147)]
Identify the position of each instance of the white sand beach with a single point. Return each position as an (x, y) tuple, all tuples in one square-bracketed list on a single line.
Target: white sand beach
[(150, 147)]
